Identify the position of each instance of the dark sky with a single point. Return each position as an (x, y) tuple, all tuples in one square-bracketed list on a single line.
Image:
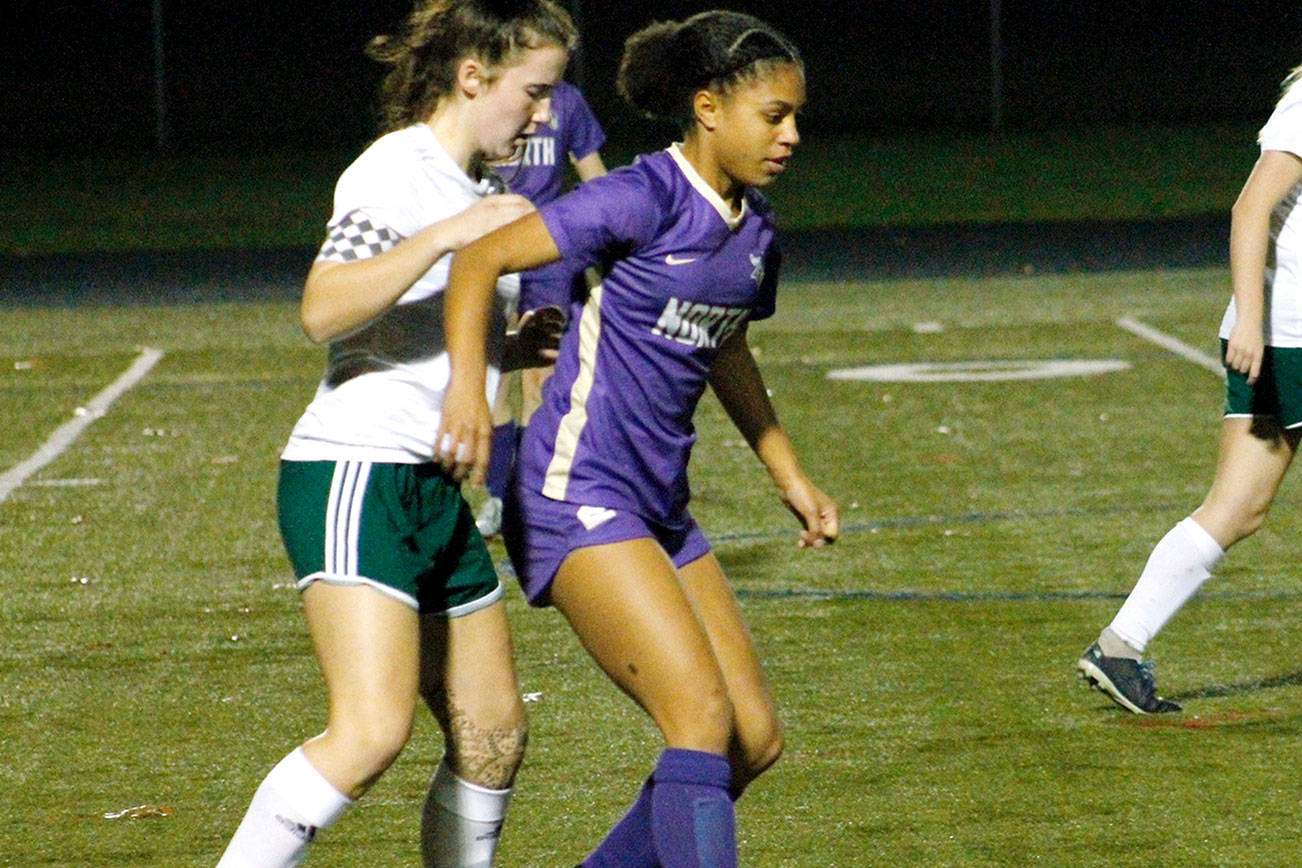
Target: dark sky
[(81, 74)]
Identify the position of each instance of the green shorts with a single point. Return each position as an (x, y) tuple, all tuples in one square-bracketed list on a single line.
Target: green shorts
[(403, 529), (1277, 392)]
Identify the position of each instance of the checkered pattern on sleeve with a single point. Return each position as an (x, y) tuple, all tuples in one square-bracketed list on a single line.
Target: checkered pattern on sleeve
[(356, 237)]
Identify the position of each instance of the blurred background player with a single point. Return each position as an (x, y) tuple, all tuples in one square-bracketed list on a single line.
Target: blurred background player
[(399, 592), (597, 520), (537, 172), (1261, 340)]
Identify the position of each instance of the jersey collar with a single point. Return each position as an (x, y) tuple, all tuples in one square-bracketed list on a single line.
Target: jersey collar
[(711, 195)]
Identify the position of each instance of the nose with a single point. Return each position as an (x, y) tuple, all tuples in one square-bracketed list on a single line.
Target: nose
[(788, 133), (542, 111)]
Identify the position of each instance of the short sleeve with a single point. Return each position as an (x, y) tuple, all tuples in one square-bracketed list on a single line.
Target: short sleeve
[(1283, 131), (584, 134), (612, 215)]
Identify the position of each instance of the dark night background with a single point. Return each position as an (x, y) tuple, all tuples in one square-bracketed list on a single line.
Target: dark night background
[(80, 75)]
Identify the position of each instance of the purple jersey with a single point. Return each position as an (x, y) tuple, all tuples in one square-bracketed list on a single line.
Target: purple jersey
[(681, 274), (538, 173)]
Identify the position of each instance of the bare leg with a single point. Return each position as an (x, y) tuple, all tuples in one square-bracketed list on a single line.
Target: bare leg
[(368, 648), (627, 605), (469, 683), (1254, 456), (757, 738)]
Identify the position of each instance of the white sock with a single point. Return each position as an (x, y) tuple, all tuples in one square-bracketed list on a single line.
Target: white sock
[(461, 822), (291, 805), (1176, 569)]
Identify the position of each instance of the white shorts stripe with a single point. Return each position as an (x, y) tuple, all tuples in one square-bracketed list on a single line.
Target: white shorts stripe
[(344, 516)]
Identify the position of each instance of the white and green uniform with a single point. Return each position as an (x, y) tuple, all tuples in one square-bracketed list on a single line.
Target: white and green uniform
[(378, 406), (1278, 392), (382, 392)]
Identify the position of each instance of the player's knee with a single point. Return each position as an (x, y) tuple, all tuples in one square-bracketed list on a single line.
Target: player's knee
[(757, 747), (701, 719), (373, 741), (486, 747)]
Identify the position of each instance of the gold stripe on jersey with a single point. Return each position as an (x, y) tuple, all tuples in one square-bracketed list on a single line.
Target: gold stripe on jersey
[(573, 422)]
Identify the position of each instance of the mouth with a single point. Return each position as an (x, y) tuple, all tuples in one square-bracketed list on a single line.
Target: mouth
[(777, 165)]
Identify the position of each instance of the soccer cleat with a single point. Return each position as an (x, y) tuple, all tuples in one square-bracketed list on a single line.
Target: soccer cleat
[(1129, 683), (489, 518)]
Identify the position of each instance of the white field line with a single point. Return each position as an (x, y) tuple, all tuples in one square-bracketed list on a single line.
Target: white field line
[(67, 433), (1166, 342)]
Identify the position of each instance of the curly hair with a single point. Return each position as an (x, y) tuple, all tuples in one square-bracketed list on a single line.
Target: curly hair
[(423, 55), (666, 62)]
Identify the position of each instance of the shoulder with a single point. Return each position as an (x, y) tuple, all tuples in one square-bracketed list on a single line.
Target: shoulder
[(388, 162), (643, 184), (1284, 128)]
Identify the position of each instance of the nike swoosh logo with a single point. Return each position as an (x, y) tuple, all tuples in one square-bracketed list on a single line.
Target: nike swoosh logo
[(594, 516), (674, 260)]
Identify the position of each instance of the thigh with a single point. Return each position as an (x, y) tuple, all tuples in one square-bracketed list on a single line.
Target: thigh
[(628, 606), (754, 707), (368, 647), (1254, 455)]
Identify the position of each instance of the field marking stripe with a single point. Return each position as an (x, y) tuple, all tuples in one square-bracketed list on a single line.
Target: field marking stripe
[(916, 521), (1179, 347), (67, 433), (943, 596)]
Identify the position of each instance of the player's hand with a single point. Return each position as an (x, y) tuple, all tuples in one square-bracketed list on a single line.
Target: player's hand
[(534, 341), (819, 516), (489, 213), (1245, 350), (465, 433)]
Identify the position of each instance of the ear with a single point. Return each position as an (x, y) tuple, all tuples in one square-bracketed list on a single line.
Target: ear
[(472, 77), (707, 105)]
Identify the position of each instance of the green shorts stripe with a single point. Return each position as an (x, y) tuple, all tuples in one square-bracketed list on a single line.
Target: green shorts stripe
[(1277, 392), (403, 529)]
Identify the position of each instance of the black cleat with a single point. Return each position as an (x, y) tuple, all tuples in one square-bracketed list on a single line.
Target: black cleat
[(1127, 682)]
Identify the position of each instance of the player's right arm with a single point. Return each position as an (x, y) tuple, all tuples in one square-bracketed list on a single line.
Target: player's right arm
[(466, 424), (340, 297), (1274, 175)]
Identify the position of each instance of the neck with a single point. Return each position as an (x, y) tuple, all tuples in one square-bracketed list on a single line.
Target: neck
[(449, 126), (703, 160)]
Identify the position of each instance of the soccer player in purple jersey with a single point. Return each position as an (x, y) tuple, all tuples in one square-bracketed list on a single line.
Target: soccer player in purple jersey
[(597, 523), (537, 172)]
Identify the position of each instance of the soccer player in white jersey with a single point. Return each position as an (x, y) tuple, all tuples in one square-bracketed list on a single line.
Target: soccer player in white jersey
[(399, 593), (1261, 340), (597, 521)]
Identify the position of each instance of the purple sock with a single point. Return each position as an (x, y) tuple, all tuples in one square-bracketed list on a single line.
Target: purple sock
[(629, 843), (500, 459), (692, 817)]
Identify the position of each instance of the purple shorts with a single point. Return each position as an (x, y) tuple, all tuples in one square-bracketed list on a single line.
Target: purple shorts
[(540, 533)]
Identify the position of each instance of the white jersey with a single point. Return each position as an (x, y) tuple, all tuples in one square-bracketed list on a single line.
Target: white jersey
[(1282, 321), (382, 393)]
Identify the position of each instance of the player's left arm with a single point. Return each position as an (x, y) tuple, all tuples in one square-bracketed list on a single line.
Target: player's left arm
[(737, 382)]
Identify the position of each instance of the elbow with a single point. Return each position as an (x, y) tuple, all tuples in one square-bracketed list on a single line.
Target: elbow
[(315, 325)]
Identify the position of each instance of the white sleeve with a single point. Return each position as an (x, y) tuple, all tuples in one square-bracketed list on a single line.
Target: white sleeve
[(1283, 132), (375, 207)]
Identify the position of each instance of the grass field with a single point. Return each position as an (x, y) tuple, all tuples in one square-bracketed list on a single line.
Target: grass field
[(153, 653)]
